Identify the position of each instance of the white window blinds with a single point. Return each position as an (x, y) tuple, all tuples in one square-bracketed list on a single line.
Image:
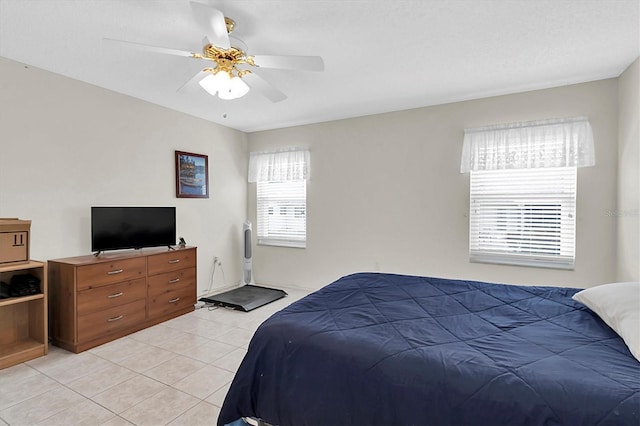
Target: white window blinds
[(282, 213), (523, 190), (281, 206), (523, 217)]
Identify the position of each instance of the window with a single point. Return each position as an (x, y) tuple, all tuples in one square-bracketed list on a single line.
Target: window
[(281, 210), (281, 206), (523, 190), (523, 217)]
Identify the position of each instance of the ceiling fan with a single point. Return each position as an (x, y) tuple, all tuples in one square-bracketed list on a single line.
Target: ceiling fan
[(231, 71)]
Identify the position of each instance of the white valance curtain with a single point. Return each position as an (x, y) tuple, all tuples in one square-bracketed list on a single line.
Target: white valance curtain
[(279, 166), (561, 142)]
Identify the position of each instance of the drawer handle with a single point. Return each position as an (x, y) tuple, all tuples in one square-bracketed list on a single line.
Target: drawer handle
[(112, 296), (119, 317), (117, 271), (174, 261), (174, 300), (175, 280)]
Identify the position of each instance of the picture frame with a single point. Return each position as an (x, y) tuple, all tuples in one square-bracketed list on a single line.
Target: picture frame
[(192, 175)]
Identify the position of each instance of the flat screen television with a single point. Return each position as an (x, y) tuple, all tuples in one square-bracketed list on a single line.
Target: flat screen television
[(118, 228)]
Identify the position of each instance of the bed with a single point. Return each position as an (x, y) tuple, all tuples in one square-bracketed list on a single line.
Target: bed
[(384, 349)]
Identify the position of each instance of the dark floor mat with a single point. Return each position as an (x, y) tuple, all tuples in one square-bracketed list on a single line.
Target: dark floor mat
[(245, 298)]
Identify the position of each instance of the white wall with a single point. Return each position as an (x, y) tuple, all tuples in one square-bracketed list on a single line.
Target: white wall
[(66, 146), (627, 213), (386, 194)]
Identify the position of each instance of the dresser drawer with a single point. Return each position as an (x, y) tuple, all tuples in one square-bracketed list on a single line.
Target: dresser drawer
[(170, 300), (111, 320), (114, 271), (109, 296), (172, 261), (173, 279)]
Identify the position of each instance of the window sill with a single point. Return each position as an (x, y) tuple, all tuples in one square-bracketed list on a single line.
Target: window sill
[(528, 262), (282, 243)]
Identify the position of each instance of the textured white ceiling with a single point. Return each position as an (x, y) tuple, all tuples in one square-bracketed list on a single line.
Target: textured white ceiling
[(380, 55)]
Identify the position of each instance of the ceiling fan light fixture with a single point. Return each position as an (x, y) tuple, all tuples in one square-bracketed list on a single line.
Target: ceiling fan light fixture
[(238, 88), (224, 85), (209, 84)]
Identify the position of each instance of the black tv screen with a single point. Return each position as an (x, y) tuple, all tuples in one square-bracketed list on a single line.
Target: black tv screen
[(116, 228)]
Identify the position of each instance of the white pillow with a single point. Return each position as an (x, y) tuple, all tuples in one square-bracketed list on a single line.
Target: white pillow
[(618, 305)]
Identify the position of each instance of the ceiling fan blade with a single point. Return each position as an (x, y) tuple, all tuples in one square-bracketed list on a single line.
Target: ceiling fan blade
[(213, 20), (265, 88), (306, 63), (193, 80), (150, 48)]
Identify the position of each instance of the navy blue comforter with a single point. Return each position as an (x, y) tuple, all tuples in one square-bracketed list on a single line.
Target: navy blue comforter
[(381, 349)]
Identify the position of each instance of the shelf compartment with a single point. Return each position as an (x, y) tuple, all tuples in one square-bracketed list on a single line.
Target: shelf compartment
[(21, 351), (23, 320)]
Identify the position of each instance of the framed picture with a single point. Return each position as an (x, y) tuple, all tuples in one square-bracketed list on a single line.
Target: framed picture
[(192, 175)]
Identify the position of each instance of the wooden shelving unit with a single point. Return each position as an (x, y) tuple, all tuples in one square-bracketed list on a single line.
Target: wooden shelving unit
[(23, 320)]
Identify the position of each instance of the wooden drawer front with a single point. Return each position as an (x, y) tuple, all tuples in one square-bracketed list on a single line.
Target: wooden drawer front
[(172, 261), (171, 280), (110, 272), (104, 322), (165, 302), (109, 296)]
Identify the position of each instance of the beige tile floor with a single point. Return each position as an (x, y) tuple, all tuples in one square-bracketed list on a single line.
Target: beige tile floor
[(174, 373)]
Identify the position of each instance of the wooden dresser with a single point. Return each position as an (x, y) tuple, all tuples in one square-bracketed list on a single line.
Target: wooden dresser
[(93, 300)]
